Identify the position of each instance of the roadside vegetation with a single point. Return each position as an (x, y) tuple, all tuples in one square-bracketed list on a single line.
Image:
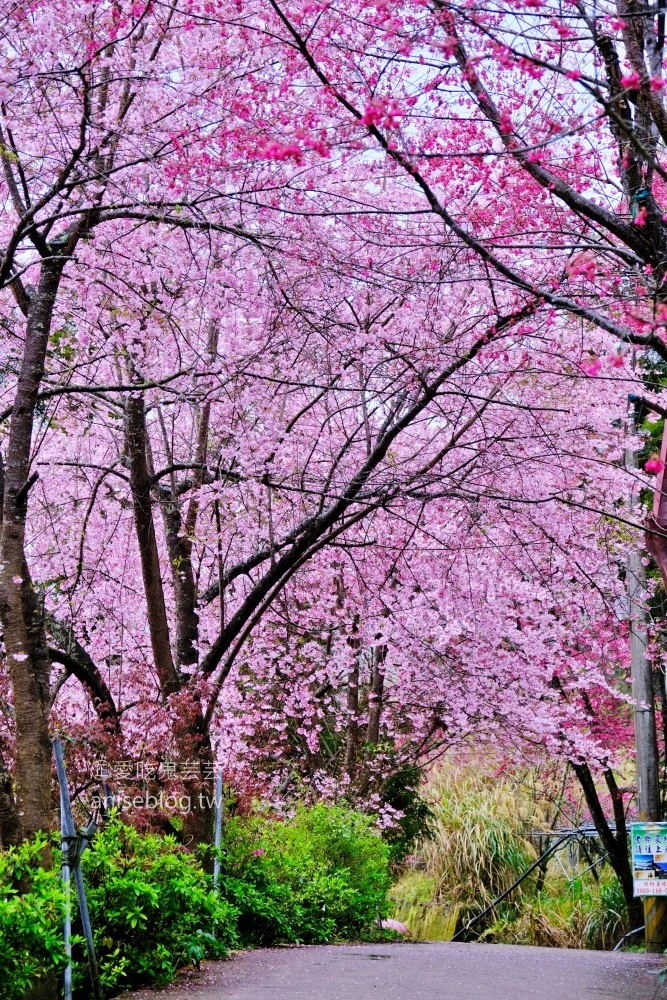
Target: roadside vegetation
[(485, 832), (320, 876), (323, 874)]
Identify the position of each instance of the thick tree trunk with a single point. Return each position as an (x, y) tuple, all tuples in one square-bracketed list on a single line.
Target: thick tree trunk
[(196, 742), (179, 535), (191, 737), (198, 823), (375, 694), (30, 809), (352, 721), (10, 825), (24, 638), (179, 547)]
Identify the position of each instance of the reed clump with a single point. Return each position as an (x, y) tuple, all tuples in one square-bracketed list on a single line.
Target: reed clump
[(566, 914), (478, 845)]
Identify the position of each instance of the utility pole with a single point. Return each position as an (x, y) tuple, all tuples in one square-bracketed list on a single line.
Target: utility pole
[(646, 743)]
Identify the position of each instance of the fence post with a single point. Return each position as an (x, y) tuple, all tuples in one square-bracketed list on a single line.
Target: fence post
[(74, 863), (68, 902), (218, 830)]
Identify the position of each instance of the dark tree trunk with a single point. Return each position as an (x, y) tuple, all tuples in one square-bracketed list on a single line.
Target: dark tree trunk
[(10, 825), (375, 694), (190, 734), (140, 485), (198, 824), (615, 844), (27, 809), (352, 721), (179, 547), (179, 536), (23, 632)]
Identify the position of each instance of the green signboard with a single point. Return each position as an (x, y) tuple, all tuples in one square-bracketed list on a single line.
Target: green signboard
[(649, 858)]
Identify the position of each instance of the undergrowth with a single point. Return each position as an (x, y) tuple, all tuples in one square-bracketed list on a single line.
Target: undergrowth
[(31, 915), (153, 910), (478, 849), (580, 914), (320, 876)]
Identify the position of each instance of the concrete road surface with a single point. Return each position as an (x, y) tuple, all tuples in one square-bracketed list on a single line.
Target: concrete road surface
[(421, 972)]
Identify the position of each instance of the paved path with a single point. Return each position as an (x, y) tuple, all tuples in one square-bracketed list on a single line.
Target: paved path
[(422, 972)]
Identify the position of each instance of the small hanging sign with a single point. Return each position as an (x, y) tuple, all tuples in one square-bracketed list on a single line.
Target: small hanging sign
[(649, 858)]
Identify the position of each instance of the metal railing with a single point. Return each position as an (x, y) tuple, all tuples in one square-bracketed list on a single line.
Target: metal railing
[(564, 837)]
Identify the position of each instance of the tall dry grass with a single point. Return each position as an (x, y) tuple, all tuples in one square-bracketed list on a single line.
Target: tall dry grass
[(477, 849), (478, 846)]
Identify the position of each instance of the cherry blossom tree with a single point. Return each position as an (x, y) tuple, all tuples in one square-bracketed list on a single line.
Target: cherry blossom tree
[(318, 351), (87, 162)]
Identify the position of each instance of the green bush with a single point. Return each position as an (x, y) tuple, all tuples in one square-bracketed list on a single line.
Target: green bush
[(321, 876), (152, 908), (31, 919), (402, 790)]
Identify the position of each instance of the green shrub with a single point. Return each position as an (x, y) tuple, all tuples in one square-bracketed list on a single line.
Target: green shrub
[(31, 919), (320, 876), (402, 790), (152, 908)]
